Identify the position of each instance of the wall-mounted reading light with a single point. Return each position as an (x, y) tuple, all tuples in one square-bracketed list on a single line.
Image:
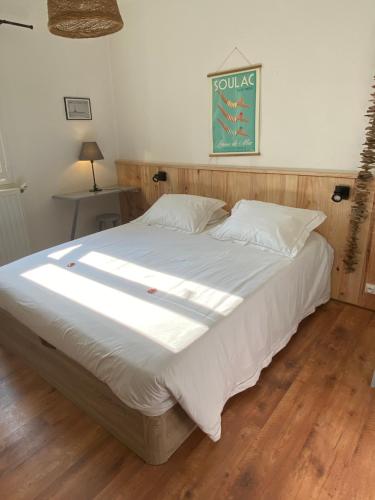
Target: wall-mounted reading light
[(160, 176), (341, 193)]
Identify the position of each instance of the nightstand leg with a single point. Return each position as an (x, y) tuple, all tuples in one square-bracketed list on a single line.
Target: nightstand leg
[(75, 217)]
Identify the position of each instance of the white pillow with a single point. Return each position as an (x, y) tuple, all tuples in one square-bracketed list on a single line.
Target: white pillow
[(282, 229), (185, 212), (218, 216)]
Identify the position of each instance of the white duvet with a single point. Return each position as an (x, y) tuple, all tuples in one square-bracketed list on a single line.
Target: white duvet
[(163, 316)]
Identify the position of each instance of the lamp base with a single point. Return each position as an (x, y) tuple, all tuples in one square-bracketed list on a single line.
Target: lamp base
[(95, 188)]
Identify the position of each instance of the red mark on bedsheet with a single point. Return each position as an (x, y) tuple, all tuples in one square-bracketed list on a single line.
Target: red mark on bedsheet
[(152, 290)]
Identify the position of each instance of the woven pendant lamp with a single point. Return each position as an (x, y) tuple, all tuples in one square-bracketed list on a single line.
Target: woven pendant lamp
[(83, 18)]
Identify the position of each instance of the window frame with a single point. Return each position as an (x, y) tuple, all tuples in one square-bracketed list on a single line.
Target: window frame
[(5, 177)]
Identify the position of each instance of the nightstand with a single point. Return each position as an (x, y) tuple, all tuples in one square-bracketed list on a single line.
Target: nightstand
[(76, 198)]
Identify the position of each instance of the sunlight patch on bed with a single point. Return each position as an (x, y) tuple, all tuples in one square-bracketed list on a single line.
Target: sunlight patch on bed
[(59, 254), (198, 293), (165, 327)]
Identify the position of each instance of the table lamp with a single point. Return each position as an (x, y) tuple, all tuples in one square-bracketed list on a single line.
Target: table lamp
[(90, 151)]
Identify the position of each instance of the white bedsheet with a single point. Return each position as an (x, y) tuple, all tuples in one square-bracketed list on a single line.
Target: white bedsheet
[(163, 316)]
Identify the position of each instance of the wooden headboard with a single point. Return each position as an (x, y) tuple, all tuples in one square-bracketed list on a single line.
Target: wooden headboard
[(296, 188)]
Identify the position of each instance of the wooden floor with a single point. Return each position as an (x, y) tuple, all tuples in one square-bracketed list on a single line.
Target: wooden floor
[(306, 431)]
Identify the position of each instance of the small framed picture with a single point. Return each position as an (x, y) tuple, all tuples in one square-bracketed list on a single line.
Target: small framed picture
[(78, 108)]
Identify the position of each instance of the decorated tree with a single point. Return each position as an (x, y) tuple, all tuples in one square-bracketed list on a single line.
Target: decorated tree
[(359, 211)]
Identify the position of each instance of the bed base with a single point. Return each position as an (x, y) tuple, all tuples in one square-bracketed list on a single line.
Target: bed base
[(154, 439)]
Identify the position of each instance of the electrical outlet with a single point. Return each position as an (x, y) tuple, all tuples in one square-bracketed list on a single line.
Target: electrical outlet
[(370, 288)]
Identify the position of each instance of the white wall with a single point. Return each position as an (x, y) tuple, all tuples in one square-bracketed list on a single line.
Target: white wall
[(317, 70), (318, 59), (37, 70)]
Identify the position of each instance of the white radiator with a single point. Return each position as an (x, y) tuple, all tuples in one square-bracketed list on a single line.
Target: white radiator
[(14, 242)]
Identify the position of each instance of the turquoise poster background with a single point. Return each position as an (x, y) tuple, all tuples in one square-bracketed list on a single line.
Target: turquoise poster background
[(235, 109)]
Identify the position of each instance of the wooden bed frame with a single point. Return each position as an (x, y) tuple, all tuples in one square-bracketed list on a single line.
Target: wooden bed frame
[(154, 439)]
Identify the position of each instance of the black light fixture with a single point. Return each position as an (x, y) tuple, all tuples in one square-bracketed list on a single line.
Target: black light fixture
[(340, 193), (90, 151), (160, 176), (20, 25)]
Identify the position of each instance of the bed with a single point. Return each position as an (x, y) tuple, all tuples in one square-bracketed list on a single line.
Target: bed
[(151, 330)]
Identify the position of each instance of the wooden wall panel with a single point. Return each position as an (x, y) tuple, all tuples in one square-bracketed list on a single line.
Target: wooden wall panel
[(205, 182), (302, 188), (219, 186), (315, 193)]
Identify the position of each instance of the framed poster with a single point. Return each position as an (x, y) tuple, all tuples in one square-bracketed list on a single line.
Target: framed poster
[(234, 97), (77, 108)]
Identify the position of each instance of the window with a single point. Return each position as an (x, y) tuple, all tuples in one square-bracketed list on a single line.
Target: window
[(4, 173)]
